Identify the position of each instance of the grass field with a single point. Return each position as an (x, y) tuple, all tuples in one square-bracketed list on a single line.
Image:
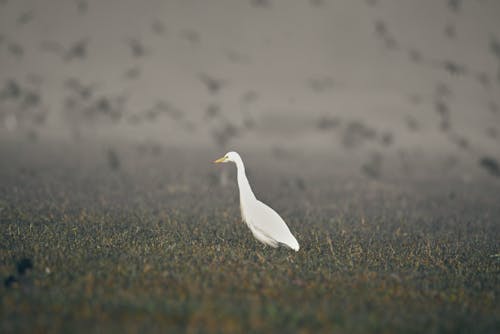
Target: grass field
[(153, 244)]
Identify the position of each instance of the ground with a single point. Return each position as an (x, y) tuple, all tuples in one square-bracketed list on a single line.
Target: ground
[(118, 240)]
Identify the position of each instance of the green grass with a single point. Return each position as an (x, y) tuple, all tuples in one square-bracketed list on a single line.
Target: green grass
[(127, 251)]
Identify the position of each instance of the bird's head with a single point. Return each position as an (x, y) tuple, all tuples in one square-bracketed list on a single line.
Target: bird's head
[(229, 157)]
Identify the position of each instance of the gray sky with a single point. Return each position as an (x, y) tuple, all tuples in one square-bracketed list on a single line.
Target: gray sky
[(283, 66)]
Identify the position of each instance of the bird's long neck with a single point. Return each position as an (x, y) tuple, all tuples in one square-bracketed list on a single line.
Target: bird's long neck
[(246, 192)]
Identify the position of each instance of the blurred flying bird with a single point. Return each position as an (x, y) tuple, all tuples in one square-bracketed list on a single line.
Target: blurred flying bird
[(15, 49), (11, 90), (415, 55), (321, 84), (484, 79), (236, 57), (158, 27), (490, 165), (412, 123), (316, 3), (327, 123), (137, 48), (113, 160), (82, 6), (493, 107), (192, 36), (455, 5), (249, 97), (373, 167), (261, 3), (212, 84), (265, 224), (133, 73), (25, 17), (495, 47), (450, 31), (77, 50), (453, 67), (492, 132), (212, 111)]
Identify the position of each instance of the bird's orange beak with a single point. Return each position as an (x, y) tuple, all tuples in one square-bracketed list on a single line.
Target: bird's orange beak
[(218, 161)]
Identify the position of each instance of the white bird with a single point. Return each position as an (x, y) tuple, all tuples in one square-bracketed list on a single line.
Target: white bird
[(266, 225)]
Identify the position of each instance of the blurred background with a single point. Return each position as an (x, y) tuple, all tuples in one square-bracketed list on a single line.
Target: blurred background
[(371, 86)]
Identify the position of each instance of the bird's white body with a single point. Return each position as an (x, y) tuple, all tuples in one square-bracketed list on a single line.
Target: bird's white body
[(266, 225)]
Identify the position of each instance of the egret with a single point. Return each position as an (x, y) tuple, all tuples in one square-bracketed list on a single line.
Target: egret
[(266, 224)]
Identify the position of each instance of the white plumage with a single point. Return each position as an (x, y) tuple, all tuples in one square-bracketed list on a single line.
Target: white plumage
[(266, 224)]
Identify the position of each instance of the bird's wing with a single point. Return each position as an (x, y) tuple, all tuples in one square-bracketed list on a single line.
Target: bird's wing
[(269, 223)]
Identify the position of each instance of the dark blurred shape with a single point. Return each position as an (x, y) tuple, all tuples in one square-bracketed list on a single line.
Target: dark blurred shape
[(15, 49), (444, 112), (281, 153), (113, 159), (25, 107), (356, 133), (11, 90), (455, 5), (415, 99), (158, 27), (52, 46), (31, 99), (192, 36), (173, 112), (495, 47), (490, 165), (327, 123), (248, 123), (224, 133), (236, 57), (412, 123), (492, 132), (212, 84), (321, 84), (484, 79), (493, 107), (387, 138), (24, 265), (372, 3), (415, 55), (442, 90), (133, 73), (81, 90), (136, 47), (77, 51), (460, 141), (317, 3), (383, 33), (249, 97), (25, 17), (453, 67), (212, 111), (82, 106), (82, 6), (300, 183), (261, 3), (450, 31), (34, 79), (380, 28), (10, 281), (373, 167)]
